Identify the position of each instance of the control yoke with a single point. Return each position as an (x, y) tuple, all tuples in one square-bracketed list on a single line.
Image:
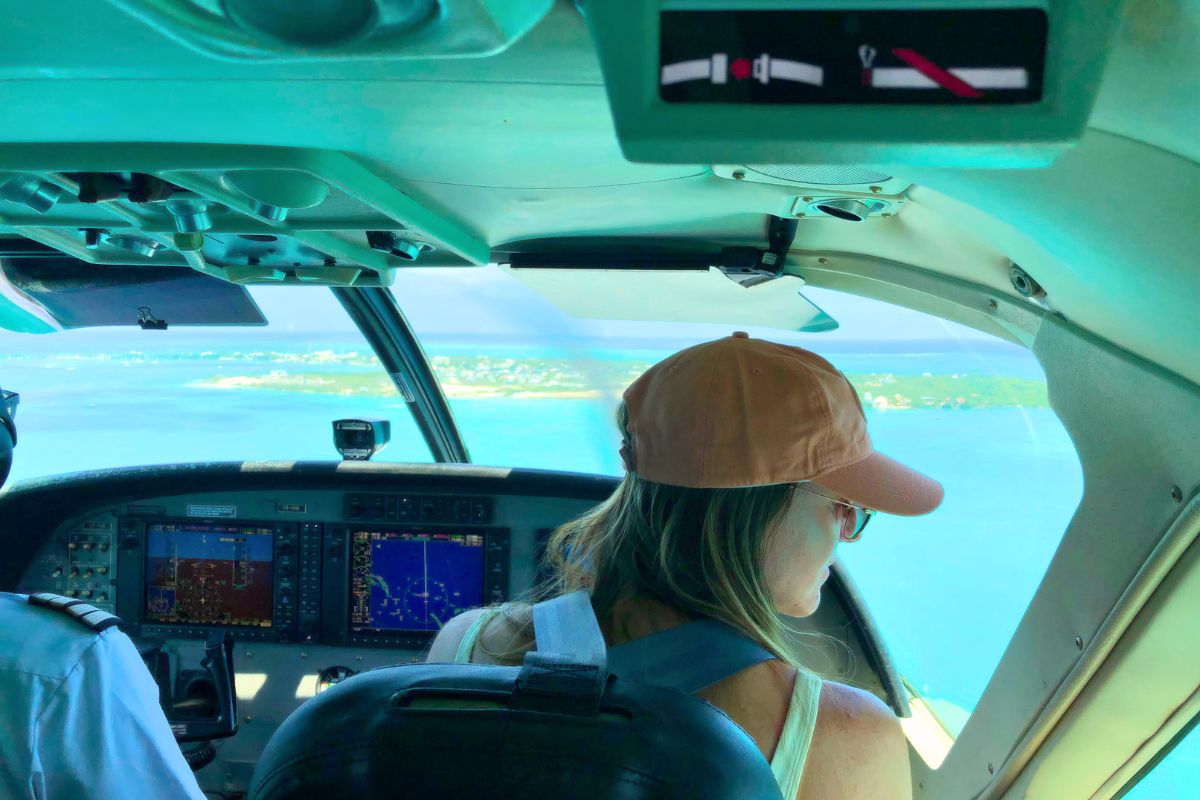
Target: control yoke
[(200, 704)]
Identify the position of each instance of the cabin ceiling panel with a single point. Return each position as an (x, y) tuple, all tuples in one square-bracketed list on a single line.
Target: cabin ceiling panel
[(522, 136), (1117, 239), (1151, 88), (103, 42)]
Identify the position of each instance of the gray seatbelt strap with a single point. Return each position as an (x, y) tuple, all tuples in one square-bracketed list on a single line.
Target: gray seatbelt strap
[(687, 658), (570, 661), (566, 626)]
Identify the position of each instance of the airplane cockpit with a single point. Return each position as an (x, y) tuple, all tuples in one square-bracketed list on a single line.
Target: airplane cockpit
[(318, 322)]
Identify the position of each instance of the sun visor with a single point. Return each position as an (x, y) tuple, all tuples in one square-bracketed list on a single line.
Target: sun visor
[(676, 296), (71, 294), (989, 83)]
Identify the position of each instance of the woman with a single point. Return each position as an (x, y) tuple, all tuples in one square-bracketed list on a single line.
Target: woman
[(747, 462)]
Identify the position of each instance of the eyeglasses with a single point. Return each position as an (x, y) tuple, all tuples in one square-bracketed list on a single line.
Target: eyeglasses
[(9, 400), (854, 518)]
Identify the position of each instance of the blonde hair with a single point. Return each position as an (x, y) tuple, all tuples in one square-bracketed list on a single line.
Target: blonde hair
[(699, 551)]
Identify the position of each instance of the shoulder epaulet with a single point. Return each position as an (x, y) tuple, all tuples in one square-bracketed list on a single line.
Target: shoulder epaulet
[(89, 615)]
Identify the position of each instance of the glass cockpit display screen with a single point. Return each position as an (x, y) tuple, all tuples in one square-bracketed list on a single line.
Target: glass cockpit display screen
[(209, 574), (409, 581)]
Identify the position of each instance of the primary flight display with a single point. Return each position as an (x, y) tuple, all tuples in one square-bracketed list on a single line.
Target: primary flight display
[(209, 574)]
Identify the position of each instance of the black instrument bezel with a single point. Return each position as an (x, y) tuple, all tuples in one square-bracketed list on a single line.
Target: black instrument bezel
[(131, 581)]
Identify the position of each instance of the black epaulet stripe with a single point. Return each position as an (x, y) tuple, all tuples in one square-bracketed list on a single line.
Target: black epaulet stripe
[(91, 616)]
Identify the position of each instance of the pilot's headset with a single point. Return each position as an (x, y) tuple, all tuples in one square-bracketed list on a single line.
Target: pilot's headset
[(8, 431)]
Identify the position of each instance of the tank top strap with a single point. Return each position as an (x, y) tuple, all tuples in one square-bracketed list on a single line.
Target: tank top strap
[(791, 753), (467, 646)]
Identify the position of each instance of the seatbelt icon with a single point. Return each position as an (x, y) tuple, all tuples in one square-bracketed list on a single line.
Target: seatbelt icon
[(767, 68), (718, 68)]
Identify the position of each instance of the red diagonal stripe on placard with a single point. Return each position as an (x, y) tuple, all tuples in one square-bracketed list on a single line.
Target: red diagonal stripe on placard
[(930, 70)]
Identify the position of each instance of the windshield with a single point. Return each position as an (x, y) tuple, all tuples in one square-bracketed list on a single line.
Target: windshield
[(532, 386), (113, 397)]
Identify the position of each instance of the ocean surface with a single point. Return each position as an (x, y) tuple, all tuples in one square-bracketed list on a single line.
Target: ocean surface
[(947, 590)]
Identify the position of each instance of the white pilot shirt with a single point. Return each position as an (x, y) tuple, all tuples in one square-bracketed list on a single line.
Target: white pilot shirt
[(79, 714)]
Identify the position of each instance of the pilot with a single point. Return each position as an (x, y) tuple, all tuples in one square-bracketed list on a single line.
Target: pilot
[(747, 462), (79, 712)]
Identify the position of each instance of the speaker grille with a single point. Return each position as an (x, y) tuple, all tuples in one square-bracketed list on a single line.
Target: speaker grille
[(819, 174)]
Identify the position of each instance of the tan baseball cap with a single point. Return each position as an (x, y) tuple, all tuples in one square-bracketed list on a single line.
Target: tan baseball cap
[(748, 412)]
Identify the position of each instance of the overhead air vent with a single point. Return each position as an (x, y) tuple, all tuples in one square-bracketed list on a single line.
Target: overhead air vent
[(273, 193), (825, 191), (306, 30), (849, 209), (820, 174), (327, 23), (31, 192)]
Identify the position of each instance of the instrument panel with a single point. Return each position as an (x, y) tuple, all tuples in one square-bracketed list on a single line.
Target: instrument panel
[(355, 568), (333, 582)]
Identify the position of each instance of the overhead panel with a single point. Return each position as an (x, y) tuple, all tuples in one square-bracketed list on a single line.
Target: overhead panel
[(242, 214), (997, 83)]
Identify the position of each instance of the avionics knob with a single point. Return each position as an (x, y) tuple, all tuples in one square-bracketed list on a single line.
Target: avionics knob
[(102, 570), (89, 572), (102, 596), (86, 593), (74, 573), (56, 572), (72, 592), (87, 545), (103, 547)]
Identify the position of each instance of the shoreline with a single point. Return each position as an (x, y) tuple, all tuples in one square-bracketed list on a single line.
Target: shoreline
[(510, 380)]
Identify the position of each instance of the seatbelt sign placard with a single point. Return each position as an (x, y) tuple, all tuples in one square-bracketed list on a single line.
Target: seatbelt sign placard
[(927, 57)]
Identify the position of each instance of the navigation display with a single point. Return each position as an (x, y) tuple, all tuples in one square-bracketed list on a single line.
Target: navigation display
[(410, 581), (209, 574)]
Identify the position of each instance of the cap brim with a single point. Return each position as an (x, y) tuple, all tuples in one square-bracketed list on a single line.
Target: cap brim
[(884, 484)]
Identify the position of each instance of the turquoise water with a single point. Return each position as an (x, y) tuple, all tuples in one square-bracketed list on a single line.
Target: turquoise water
[(947, 589)]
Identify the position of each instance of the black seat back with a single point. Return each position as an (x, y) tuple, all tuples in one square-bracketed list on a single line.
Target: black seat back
[(560, 726)]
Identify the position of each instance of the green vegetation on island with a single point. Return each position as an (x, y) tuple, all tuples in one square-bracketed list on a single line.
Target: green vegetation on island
[(484, 377)]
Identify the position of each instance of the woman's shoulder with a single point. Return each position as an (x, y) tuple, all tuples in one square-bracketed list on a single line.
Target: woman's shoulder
[(502, 626), (856, 709), (858, 748), (445, 644)]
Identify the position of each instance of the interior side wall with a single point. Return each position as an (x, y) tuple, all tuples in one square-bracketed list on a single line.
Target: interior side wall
[(1134, 428)]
